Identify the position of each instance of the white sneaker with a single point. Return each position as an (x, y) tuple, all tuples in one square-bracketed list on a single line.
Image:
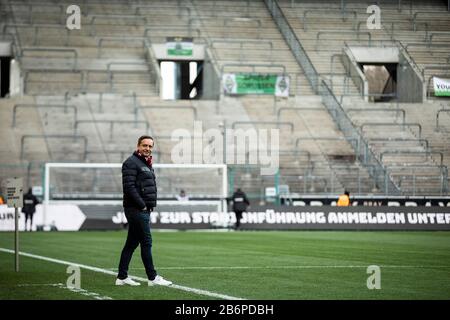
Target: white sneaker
[(127, 281), (159, 281)]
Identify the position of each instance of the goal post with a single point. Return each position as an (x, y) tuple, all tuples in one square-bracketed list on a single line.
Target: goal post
[(101, 183)]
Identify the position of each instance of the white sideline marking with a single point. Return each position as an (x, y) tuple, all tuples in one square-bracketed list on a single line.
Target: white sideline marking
[(284, 267), (84, 292), (105, 271)]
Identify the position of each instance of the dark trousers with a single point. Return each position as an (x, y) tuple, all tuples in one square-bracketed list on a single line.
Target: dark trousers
[(30, 217), (238, 218), (138, 234)]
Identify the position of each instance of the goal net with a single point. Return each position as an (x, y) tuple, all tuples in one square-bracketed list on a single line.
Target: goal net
[(100, 184)]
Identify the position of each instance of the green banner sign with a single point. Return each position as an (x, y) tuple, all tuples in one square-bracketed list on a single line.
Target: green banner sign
[(441, 87), (179, 46), (255, 84)]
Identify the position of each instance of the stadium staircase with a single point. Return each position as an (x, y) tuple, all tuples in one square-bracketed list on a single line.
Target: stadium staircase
[(104, 88), (403, 136)]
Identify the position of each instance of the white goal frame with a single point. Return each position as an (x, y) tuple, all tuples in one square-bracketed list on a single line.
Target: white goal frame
[(49, 165)]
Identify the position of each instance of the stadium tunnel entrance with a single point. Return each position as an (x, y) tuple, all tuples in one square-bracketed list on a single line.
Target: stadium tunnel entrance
[(186, 70), (384, 74), (181, 79), (382, 80), (5, 68)]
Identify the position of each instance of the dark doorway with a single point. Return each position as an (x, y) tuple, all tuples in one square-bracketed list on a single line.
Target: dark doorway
[(382, 79), (5, 70), (181, 79)]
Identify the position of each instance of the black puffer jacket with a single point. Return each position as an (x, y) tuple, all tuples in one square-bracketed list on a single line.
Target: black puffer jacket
[(139, 183), (240, 201)]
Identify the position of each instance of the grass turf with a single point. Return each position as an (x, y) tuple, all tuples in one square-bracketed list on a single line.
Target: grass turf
[(251, 265)]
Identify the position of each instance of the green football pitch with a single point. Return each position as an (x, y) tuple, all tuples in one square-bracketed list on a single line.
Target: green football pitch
[(290, 265)]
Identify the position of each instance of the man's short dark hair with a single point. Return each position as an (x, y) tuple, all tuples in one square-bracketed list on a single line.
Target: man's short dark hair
[(143, 138)]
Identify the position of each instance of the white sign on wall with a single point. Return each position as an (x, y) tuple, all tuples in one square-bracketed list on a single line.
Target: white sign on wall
[(14, 192)]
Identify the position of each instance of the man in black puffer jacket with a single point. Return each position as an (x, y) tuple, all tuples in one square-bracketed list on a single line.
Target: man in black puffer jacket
[(240, 204), (139, 200)]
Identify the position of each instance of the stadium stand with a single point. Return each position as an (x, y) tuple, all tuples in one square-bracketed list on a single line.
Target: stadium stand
[(87, 94)]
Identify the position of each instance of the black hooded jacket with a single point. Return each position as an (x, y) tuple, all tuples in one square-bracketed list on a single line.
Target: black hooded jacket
[(139, 183), (240, 201), (29, 203)]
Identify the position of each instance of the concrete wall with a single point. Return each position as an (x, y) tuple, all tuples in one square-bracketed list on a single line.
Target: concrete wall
[(352, 68), (211, 81), (16, 84), (5, 49), (410, 87), (375, 55)]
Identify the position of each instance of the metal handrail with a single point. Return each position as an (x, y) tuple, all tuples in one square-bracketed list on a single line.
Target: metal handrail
[(119, 63), (253, 66), (409, 59), (364, 85), (17, 43), (36, 30), (414, 19), (74, 51), (111, 123), (241, 43), (343, 13), (37, 4), (298, 140), (427, 146), (110, 71), (364, 153), (123, 154), (413, 176), (278, 123), (382, 124), (38, 106), (392, 23), (193, 109), (329, 99), (172, 28), (426, 153), (27, 72), (434, 67), (436, 33), (225, 21), (92, 24), (427, 45), (153, 64), (442, 169), (100, 41), (333, 56), (343, 32), (159, 6), (247, 6), (294, 43), (246, 19), (437, 116), (14, 43), (56, 136), (402, 111), (297, 109)]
